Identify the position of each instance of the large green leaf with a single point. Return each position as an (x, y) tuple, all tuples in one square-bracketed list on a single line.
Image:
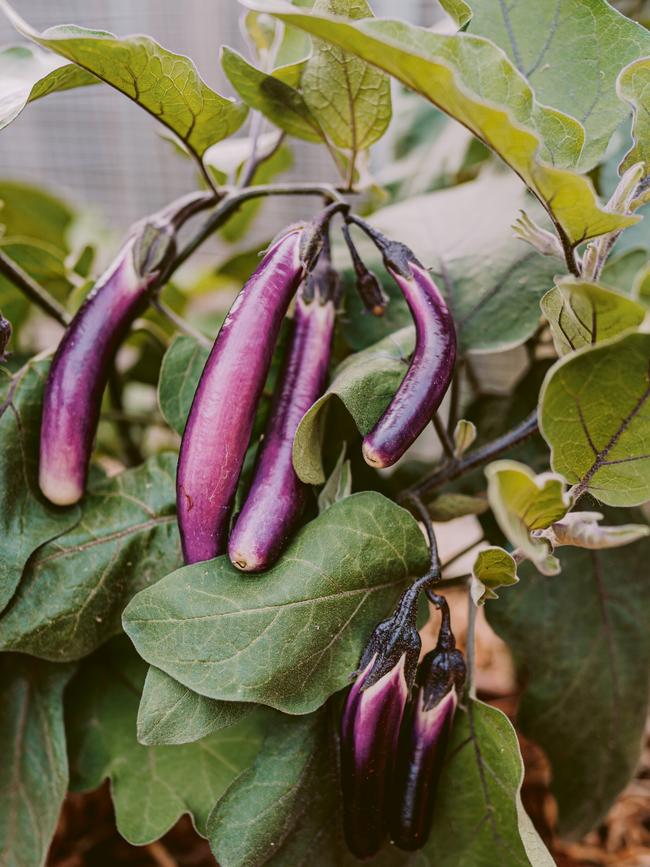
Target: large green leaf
[(634, 86), (179, 376), (470, 78), (349, 98), (582, 313), (166, 85), (29, 212), (74, 588), (595, 416), (34, 773), (292, 637), (585, 697), (28, 73), (153, 786), (170, 713), (364, 383), (27, 520), (571, 51)]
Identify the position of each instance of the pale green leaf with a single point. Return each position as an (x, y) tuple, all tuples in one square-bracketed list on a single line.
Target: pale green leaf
[(28, 73), (170, 713), (34, 774), (179, 376), (27, 520), (152, 786), (469, 78), (571, 51), (585, 699), (582, 313), (166, 85), (493, 568), (292, 638), (584, 530), (447, 507), (29, 212), (464, 436), (595, 416), (523, 503), (458, 10), (634, 86), (339, 484), (74, 588)]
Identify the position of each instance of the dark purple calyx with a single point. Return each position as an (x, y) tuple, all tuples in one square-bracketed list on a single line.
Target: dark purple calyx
[(432, 363), (5, 337), (368, 286), (221, 419), (370, 727), (423, 740), (83, 359)]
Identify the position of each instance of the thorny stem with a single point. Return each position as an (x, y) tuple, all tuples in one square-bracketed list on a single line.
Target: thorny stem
[(445, 440), (29, 287)]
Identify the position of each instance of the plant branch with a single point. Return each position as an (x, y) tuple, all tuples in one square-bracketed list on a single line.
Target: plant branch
[(445, 440), (30, 288), (568, 250), (180, 323)]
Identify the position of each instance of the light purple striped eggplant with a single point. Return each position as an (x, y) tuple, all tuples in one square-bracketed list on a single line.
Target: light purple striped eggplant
[(277, 496), (423, 741), (82, 362), (221, 419), (370, 728)]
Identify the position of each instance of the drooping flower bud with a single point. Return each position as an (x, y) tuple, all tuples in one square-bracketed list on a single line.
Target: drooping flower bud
[(423, 740), (370, 728), (368, 286)]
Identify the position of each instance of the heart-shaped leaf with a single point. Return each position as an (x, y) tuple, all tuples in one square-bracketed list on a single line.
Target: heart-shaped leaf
[(493, 568)]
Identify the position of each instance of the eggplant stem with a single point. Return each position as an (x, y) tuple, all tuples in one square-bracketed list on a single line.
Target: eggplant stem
[(29, 287), (180, 323), (445, 440)]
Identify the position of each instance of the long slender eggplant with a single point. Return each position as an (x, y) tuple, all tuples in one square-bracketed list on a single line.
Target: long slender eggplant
[(423, 740), (221, 418), (277, 496), (370, 728), (82, 362), (432, 364)]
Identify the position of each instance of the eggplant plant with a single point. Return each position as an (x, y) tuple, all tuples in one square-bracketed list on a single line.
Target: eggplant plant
[(304, 543)]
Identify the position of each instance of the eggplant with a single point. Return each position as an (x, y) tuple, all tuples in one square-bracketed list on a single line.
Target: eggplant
[(370, 728), (277, 496), (423, 741), (83, 359), (221, 418)]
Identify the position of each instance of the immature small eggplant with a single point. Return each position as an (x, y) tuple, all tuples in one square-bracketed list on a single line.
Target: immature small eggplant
[(276, 496), (82, 362), (370, 729), (223, 410), (432, 363), (5, 336), (423, 740)]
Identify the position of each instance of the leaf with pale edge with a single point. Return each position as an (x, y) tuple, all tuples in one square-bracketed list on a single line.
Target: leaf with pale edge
[(27, 520), (34, 773), (166, 85), (170, 713), (74, 588), (292, 638), (595, 416), (584, 530), (151, 786), (633, 85), (586, 695), (339, 484), (493, 568)]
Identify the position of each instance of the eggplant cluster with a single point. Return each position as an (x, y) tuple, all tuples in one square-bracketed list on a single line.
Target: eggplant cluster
[(394, 732), (296, 267)]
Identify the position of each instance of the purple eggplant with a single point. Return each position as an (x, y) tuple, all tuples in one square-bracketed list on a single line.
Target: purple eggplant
[(5, 337), (370, 728), (223, 410), (82, 362), (432, 364), (277, 496), (423, 740)]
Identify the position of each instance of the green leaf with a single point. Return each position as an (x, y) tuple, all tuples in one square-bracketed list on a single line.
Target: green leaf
[(464, 436), (524, 503), (29, 212), (166, 85), (27, 520), (338, 486), (74, 588), (460, 11), (34, 775), (582, 314), (151, 787), (583, 529), (493, 568), (349, 98), (447, 507), (586, 695), (180, 372), (633, 85), (469, 78), (170, 713), (282, 104), (621, 272), (571, 52), (261, 808), (595, 416), (27, 73), (291, 639), (364, 383)]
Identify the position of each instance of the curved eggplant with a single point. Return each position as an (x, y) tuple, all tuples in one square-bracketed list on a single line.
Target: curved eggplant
[(276, 496), (223, 410)]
